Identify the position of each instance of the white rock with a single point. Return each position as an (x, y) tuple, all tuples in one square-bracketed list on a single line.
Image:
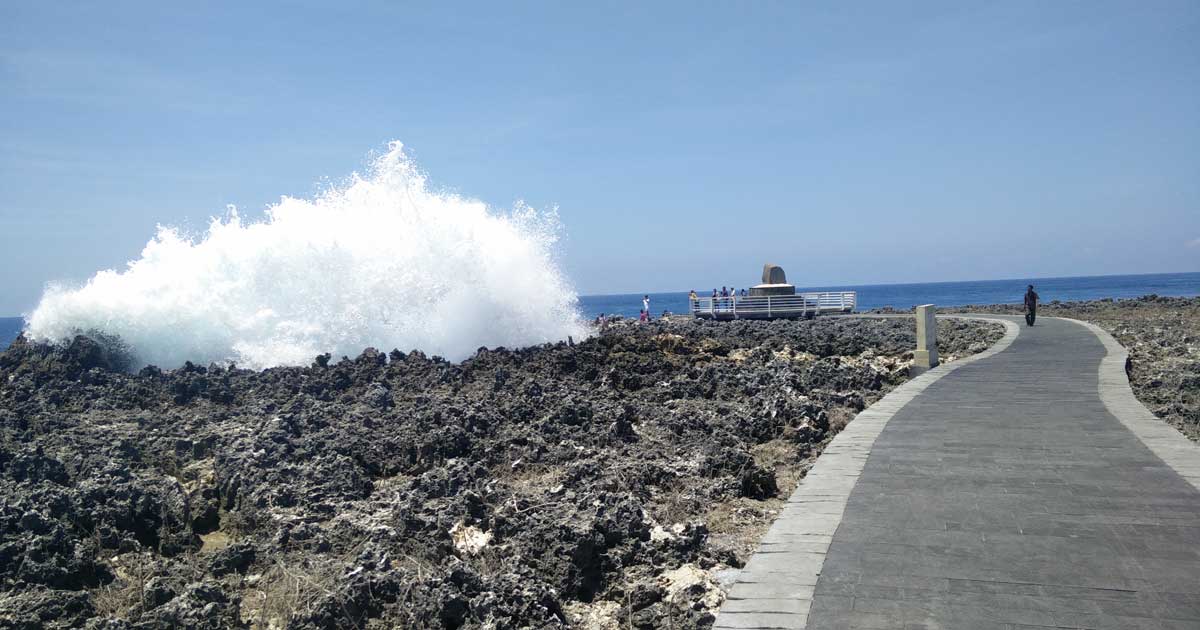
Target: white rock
[(469, 539), (726, 577), (600, 615), (688, 576)]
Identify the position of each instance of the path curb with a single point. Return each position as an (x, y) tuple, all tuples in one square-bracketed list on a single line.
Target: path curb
[(775, 589), (1171, 446)]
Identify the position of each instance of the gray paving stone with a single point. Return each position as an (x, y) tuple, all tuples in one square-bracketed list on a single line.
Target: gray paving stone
[(1001, 493)]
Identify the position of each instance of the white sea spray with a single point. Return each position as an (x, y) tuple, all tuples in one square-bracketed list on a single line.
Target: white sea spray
[(381, 261)]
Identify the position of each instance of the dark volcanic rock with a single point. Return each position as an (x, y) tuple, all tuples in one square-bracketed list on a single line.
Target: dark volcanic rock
[(530, 488)]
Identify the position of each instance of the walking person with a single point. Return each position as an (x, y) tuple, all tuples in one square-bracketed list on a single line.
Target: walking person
[(1031, 300)]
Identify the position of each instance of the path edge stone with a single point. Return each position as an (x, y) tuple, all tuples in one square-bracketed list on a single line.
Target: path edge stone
[(1171, 446), (775, 588)]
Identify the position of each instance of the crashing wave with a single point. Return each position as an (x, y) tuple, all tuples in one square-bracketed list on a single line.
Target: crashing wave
[(382, 261)]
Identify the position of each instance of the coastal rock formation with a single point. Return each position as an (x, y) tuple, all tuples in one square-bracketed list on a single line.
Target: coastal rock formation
[(616, 482)]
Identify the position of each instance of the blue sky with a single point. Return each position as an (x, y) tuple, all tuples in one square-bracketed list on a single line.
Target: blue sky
[(685, 144)]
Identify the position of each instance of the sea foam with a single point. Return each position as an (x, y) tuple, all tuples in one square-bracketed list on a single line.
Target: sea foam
[(381, 261)]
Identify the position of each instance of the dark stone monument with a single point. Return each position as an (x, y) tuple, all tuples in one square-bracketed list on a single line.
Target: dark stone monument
[(773, 274), (774, 282)]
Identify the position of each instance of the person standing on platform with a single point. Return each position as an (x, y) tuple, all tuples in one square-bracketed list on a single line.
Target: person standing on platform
[(1031, 300)]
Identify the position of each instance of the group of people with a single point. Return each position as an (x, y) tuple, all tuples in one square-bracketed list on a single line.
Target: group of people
[(726, 297), (645, 314)]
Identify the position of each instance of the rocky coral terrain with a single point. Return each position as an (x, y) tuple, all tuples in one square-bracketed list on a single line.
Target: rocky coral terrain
[(612, 483), (1162, 335)]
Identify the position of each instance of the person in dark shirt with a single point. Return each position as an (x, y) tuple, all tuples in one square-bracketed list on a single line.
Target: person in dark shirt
[(1031, 300)]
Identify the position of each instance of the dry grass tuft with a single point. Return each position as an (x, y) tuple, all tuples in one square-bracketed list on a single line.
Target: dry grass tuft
[(125, 596), (271, 599)]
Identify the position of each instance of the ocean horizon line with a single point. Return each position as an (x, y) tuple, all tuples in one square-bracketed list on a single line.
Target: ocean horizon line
[(936, 282)]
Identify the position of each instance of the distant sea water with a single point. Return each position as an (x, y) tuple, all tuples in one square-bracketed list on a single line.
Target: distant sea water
[(905, 296), (898, 296), (10, 327)]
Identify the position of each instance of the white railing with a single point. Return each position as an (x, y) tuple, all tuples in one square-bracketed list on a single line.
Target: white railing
[(770, 306)]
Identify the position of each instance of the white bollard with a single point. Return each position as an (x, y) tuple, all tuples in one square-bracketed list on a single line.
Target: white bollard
[(925, 357)]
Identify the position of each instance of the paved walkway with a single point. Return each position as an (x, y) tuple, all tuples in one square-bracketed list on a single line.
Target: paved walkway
[(999, 493)]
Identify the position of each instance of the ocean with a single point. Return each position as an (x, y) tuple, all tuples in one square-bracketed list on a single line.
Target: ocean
[(905, 296), (10, 327), (898, 296)]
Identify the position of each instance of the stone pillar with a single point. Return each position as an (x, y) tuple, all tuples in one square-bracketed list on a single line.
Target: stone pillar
[(925, 356)]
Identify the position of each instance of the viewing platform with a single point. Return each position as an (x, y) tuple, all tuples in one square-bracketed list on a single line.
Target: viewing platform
[(774, 306), (773, 299)]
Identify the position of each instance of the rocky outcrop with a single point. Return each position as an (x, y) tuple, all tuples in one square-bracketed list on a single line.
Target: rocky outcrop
[(613, 479)]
